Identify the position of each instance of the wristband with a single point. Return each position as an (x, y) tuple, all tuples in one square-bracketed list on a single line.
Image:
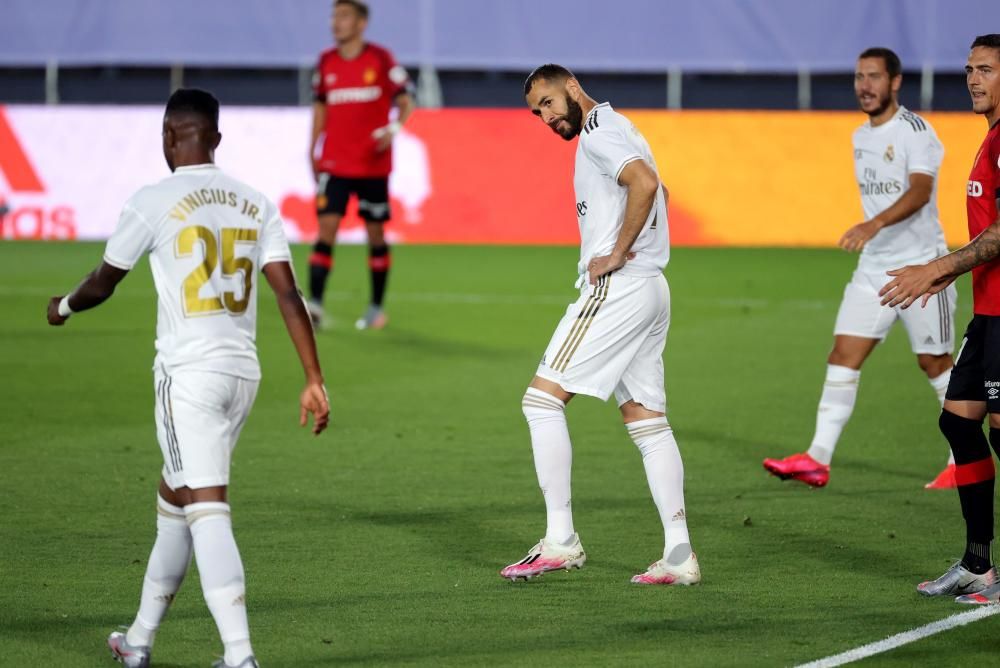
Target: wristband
[(391, 129), (64, 310)]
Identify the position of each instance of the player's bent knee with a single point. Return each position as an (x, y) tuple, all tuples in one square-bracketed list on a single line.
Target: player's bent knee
[(965, 436), (550, 387), (633, 412), (847, 359), (376, 235), (539, 405), (169, 495), (218, 493), (328, 225), (934, 365)]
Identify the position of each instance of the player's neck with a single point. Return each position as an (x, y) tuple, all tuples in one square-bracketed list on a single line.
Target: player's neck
[(194, 159), (352, 48), (885, 116), (587, 104)]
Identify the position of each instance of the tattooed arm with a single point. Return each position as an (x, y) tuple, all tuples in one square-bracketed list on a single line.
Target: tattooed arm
[(910, 283), (980, 250)]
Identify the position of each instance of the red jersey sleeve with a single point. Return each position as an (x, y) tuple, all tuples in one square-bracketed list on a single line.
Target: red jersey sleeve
[(395, 79)]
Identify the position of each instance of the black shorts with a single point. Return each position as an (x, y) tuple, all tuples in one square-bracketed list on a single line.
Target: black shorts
[(976, 376), (332, 193)]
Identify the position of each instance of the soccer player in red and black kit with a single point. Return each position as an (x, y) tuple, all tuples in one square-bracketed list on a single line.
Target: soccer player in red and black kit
[(974, 388), (356, 86)]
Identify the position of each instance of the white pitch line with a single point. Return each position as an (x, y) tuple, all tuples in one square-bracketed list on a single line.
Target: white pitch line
[(905, 638)]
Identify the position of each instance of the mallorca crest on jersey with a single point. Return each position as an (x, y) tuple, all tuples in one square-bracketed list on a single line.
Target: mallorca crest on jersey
[(370, 76), (890, 154)]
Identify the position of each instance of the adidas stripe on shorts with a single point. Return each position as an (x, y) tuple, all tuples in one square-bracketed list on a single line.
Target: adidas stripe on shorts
[(199, 416), (611, 340), (931, 329)]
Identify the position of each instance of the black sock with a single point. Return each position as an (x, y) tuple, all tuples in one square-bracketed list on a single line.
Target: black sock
[(379, 261), (975, 474), (320, 266), (977, 557)]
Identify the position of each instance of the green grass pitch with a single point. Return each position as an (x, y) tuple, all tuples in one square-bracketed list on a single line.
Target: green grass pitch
[(380, 541)]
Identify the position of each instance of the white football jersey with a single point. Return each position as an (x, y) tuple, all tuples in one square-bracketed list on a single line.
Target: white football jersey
[(884, 158), (208, 236), (608, 142)]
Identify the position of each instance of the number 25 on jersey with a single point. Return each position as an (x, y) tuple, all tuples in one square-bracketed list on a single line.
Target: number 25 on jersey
[(194, 304)]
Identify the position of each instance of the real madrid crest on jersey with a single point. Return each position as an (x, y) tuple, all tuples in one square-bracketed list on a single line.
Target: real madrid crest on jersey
[(890, 154), (370, 76)]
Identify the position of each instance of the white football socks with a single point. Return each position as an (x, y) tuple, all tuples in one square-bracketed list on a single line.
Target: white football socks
[(168, 562), (221, 572), (840, 389), (553, 460), (665, 475), (940, 385)]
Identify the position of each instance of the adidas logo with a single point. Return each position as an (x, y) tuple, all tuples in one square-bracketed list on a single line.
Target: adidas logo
[(679, 515), (928, 340)]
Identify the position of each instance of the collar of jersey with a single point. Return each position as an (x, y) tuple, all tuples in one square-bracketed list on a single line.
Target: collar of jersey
[(191, 168), (885, 126), (591, 113)]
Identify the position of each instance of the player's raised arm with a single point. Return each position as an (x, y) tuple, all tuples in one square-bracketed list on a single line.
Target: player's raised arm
[(911, 201), (313, 398), (92, 291)]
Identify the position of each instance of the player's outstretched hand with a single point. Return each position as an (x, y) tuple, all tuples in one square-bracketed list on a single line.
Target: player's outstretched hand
[(911, 283), (855, 238), (314, 400), (55, 319), (599, 266)]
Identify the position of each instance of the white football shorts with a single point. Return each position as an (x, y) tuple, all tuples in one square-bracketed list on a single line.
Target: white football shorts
[(611, 340), (199, 416), (931, 329)]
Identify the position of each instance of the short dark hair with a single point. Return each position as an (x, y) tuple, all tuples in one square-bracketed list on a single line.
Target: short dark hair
[(888, 56), (360, 7), (547, 72), (195, 101), (991, 41)]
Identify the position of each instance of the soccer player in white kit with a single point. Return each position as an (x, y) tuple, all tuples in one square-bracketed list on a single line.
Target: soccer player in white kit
[(611, 339), (207, 236), (896, 160)]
